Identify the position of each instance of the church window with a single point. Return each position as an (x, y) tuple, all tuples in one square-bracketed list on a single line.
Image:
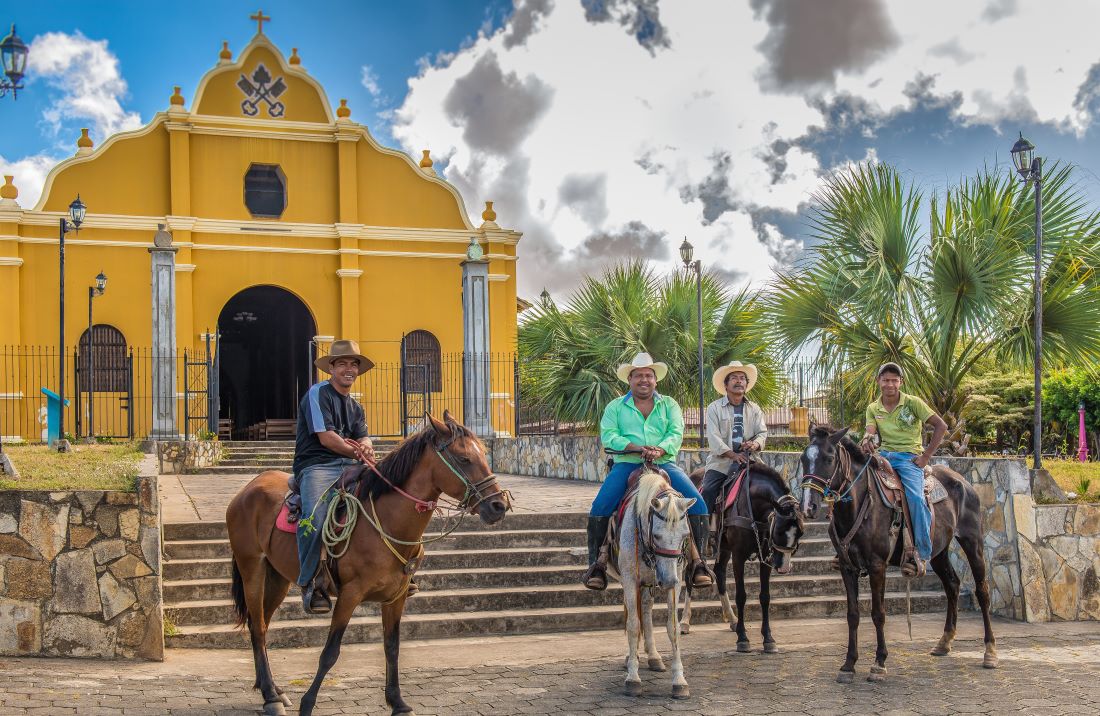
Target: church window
[(423, 364), (265, 191), (111, 366)]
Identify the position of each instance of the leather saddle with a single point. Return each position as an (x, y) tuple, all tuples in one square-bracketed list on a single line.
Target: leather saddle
[(891, 491), (350, 480)]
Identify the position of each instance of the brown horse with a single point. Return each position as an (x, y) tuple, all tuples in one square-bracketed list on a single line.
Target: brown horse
[(835, 468), (444, 458)]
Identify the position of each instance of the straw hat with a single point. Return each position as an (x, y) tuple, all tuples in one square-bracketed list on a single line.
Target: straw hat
[(343, 349), (642, 360), (735, 367)]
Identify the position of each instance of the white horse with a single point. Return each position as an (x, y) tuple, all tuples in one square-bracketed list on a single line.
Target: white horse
[(651, 551)]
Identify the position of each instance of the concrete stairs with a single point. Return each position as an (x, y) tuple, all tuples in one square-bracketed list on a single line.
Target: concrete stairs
[(521, 576), (251, 457)]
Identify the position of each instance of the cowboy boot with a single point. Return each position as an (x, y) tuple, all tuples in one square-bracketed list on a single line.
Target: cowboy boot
[(701, 576), (596, 576), (314, 599)]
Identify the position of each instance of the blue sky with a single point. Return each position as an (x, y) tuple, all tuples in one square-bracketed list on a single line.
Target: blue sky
[(604, 129)]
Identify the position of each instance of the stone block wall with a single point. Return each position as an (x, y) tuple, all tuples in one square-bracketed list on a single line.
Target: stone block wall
[(177, 457), (80, 573), (1060, 560)]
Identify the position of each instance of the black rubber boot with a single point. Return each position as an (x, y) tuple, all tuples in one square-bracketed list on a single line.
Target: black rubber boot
[(701, 576), (596, 576)]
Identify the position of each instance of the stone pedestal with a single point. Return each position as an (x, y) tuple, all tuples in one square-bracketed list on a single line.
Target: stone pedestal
[(163, 256), (475, 331)]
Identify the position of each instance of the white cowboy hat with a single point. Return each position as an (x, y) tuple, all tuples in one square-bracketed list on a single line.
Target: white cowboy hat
[(736, 366), (642, 360), (343, 349)]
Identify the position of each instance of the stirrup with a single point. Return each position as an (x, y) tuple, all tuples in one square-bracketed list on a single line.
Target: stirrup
[(596, 577), (315, 601), (912, 565), (701, 576)]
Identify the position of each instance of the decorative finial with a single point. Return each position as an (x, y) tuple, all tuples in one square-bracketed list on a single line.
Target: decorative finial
[(260, 19), (426, 162), (176, 99), (474, 252), (225, 56), (8, 192), (489, 214), (84, 144), (343, 111), (294, 59)]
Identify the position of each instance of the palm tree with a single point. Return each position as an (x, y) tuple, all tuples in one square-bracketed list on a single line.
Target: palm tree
[(568, 355), (878, 286)]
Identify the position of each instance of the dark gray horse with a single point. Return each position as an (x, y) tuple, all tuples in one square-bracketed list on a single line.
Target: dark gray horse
[(834, 468)]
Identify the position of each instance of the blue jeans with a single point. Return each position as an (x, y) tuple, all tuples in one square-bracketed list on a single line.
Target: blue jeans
[(912, 479), (614, 487), (314, 482)]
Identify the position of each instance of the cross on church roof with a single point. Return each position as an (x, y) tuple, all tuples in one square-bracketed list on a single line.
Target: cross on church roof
[(260, 19)]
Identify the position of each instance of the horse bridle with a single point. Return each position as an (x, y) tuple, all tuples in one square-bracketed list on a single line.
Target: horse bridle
[(651, 551), (473, 489), (842, 492)]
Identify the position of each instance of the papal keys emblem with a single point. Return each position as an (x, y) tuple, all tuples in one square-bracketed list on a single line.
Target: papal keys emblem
[(262, 90)]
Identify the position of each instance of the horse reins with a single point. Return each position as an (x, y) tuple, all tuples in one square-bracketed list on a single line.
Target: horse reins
[(832, 495)]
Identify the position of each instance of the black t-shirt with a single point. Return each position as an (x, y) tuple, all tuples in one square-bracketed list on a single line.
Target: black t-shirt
[(324, 408), (737, 432)]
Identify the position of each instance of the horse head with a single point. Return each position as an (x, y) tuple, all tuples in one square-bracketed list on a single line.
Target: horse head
[(785, 532), (821, 467), (462, 470), (661, 513)]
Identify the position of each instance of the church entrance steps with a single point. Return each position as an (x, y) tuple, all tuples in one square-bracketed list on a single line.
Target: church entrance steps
[(242, 457), (517, 577)]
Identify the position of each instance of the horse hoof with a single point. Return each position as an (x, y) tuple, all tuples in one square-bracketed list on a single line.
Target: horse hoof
[(744, 647), (770, 647), (284, 698), (633, 688), (845, 677), (878, 673), (991, 661), (274, 708), (680, 692), (940, 650), (657, 664), (685, 628)]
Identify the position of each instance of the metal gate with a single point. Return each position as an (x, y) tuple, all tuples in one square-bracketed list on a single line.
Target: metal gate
[(201, 396)]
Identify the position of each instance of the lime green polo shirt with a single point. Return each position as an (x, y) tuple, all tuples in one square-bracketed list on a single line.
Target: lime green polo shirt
[(900, 429), (623, 423)]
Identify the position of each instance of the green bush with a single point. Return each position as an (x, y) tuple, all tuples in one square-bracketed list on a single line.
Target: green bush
[(1064, 390)]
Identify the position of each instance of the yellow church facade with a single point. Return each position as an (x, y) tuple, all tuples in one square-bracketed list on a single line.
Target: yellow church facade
[(292, 227)]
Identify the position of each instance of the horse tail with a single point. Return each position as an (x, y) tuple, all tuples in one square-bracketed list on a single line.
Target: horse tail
[(240, 606)]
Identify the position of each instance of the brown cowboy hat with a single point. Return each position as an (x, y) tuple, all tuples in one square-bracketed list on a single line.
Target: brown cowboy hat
[(343, 349)]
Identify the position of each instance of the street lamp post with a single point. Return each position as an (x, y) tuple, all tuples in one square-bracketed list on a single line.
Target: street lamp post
[(93, 291), (686, 251), (1082, 441), (76, 218), (13, 55), (1030, 168)]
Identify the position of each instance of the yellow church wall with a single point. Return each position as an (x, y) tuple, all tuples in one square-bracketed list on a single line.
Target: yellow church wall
[(219, 165), (221, 96), (126, 176), (392, 193)]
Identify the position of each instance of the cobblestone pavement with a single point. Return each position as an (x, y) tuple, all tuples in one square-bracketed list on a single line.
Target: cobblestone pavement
[(1045, 669), (191, 498)]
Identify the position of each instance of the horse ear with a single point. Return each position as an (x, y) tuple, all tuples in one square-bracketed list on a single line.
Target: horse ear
[(813, 426), (440, 428), (686, 503), (655, 503), (836, 437)]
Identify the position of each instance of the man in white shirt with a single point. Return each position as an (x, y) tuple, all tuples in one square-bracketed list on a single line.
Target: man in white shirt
[(735, 428)]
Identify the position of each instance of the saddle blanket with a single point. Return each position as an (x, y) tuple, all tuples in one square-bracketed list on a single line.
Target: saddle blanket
[(283, 522)]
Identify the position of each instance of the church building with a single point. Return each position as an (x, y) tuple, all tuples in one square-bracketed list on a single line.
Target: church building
[(289, 227)]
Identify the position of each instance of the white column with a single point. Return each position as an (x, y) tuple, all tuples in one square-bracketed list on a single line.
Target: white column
[(164, 336), (475, 369)]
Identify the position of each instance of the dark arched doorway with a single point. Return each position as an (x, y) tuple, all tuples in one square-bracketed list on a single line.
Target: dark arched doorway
[(265, 356)]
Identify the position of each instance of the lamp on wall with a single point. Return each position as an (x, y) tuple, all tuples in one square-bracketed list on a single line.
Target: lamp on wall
[(93, 291)]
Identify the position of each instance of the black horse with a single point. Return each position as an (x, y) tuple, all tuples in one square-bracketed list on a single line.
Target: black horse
[(773, 538), (835, 468)]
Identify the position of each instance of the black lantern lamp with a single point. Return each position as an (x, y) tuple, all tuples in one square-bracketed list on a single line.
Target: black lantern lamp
[(686, 252), (100, 283), (1023, 153), (76, 212), (13, 54)]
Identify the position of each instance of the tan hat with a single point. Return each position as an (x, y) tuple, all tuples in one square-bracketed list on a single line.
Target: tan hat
[(736, 366), (343, 349), (642, 360)]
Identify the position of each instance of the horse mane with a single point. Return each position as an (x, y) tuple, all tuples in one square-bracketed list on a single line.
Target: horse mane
[(769, 472), (824, 432), (399, 464), (650, 484)]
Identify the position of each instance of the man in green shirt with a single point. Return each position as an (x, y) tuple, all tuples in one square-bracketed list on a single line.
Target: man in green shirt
[(653, 424), (898, 419)]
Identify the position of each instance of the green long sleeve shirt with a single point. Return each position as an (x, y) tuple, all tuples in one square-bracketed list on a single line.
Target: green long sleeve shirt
[(623, 423)]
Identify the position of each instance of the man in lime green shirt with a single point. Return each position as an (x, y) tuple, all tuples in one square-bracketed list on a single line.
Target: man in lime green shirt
[(653, 424), (898, 419)]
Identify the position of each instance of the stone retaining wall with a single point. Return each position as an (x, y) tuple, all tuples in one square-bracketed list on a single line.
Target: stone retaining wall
[(80, 573), (177, 457), (1060, 560), (997, 481)]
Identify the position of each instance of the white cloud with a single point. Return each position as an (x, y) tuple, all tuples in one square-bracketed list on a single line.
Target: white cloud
[(87, 75), (369, 79), (29, 175)]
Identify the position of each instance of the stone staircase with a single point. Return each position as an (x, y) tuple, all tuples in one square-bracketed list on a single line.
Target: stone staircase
[(250, 457), (518, 577)]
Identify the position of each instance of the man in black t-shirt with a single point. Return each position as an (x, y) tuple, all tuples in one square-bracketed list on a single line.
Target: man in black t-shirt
[(327, 417)]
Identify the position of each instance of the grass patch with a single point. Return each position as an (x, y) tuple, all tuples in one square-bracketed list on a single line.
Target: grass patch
[(87, 467), (1082, 478), (170, 628)]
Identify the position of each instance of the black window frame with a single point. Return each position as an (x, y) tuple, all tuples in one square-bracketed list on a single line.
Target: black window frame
[(256, 193)]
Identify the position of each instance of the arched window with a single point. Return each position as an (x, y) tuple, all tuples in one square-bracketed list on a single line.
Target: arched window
[(422, 363), (265, 191), (111, 365)]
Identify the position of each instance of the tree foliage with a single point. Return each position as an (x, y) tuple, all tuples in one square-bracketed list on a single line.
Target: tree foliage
[(569, 354)]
